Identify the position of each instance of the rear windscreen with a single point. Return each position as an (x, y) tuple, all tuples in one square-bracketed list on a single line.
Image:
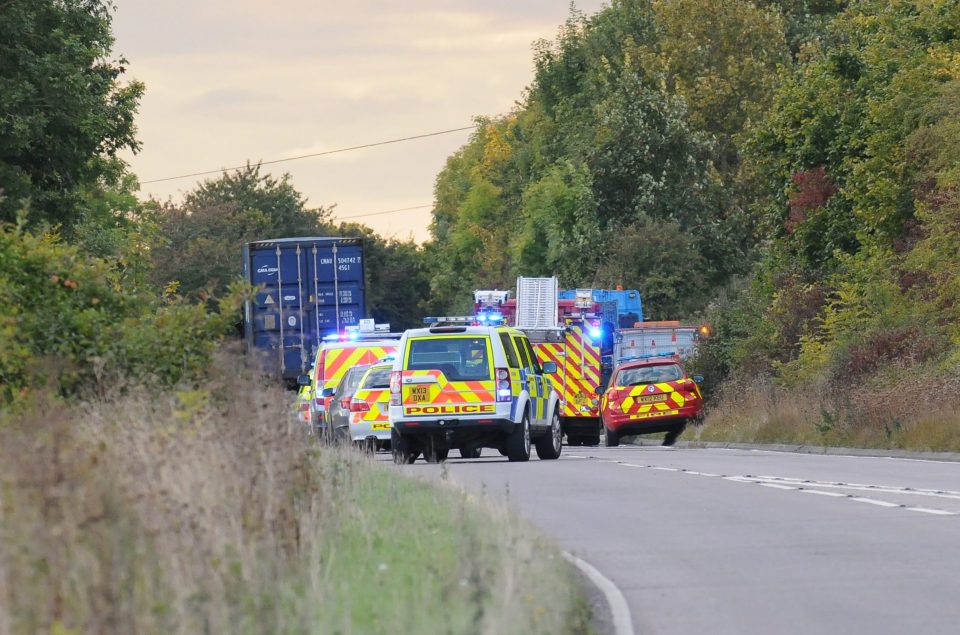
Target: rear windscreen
[(649, 375), (377, 379), (351, 380), (459, 358)]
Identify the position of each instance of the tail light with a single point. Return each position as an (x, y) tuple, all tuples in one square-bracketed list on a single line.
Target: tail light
[(395, 387), (503, 385), (358, 405), (613, 396), (345, 403)]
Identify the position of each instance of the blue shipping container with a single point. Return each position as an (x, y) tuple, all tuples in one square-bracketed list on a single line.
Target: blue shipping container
[(307, 288)]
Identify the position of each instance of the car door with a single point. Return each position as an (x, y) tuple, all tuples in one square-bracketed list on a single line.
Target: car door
[(532, 376)]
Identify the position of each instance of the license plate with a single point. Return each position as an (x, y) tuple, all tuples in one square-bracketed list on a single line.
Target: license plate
[(653, 398), (419, 394)]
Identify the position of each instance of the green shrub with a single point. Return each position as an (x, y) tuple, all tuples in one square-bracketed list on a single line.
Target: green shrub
[(71, 324)]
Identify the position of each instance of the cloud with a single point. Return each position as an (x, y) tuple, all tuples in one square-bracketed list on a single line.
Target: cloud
[(227, 82)]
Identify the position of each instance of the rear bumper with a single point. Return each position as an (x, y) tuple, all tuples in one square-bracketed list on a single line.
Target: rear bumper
[(650, 422), (368, 429), (452, 425)]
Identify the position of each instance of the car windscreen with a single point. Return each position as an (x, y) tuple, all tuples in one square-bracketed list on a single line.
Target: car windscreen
[(377, 379), (459, 358), (655, 374)]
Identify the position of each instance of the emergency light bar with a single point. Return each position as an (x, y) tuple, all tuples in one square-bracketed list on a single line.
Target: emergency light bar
[(669, 356), (453, 319)]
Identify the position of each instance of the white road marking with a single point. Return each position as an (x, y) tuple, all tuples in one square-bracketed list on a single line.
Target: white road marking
[(622, 622), (936, 512), (807, 486), (820, 493), (873, 501)]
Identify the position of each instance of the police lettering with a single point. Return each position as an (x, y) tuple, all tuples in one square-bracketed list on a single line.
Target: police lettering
[(450, 409)]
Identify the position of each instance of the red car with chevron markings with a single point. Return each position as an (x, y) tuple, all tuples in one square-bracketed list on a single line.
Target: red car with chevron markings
[(648, 396)]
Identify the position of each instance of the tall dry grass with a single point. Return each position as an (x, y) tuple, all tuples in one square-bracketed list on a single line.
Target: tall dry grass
[(209, 511), (915, 408)]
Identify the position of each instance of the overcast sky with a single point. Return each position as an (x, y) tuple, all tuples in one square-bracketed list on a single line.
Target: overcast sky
[(262, 80)]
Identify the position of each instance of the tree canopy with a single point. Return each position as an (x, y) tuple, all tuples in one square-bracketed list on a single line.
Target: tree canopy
[(65, 113)]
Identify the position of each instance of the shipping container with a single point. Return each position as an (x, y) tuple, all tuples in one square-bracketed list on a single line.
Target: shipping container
[(307, 289)]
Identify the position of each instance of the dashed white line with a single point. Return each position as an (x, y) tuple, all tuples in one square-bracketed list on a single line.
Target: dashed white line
[(821, 493), (936, 512), (807, 486), (874, 501)]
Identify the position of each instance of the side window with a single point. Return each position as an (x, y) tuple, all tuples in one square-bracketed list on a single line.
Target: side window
[(508, 350), (533, 357), (524, 357)]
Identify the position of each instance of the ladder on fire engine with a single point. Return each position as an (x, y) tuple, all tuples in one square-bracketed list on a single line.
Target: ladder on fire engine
[(537, 303)]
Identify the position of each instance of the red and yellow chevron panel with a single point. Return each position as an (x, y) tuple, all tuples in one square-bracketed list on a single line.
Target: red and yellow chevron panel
[(379, 402), (337, 361), (441, 391), (578, 371)]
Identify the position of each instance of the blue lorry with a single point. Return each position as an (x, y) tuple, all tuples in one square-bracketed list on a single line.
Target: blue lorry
[(307, 289)]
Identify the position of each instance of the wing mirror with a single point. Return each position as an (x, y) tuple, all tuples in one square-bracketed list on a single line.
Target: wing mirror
[(304, 380), (549, 368), (698, 379)]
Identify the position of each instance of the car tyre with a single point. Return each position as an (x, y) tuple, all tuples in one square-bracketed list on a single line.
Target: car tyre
[(672, 436), (518, 441), (470, 453), (434, 454), (550, 445), (402, 449), (611, 438)]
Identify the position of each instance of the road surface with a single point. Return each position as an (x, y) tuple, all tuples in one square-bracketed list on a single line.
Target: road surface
[(742, 542)]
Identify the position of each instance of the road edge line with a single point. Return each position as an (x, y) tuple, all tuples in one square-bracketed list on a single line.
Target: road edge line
[(622, 621)]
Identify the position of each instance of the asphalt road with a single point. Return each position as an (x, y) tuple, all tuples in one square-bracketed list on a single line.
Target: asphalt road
[(741, 542)]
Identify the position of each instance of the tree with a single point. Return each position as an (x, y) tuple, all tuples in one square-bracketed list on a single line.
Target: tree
[(66, 115), (198, 243)]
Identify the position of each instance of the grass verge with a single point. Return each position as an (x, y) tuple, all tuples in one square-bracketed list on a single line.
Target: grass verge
[(207, 511), (911, 409)]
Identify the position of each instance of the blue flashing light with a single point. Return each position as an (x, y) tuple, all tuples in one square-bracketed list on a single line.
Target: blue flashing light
[(495, 317), (595, 332), (482, 317), (430, 320), (353, 336), (333, 337)]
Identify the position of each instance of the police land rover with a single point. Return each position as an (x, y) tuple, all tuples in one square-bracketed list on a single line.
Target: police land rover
[(460, 385)]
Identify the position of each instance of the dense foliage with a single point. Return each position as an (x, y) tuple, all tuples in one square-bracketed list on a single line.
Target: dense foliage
[(786, 169), (622, 163), (64, 114)]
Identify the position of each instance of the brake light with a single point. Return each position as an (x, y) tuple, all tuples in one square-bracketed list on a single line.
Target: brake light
[(345, 403), (613, 396), (503, 385), (358, 405), (395, 387)]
